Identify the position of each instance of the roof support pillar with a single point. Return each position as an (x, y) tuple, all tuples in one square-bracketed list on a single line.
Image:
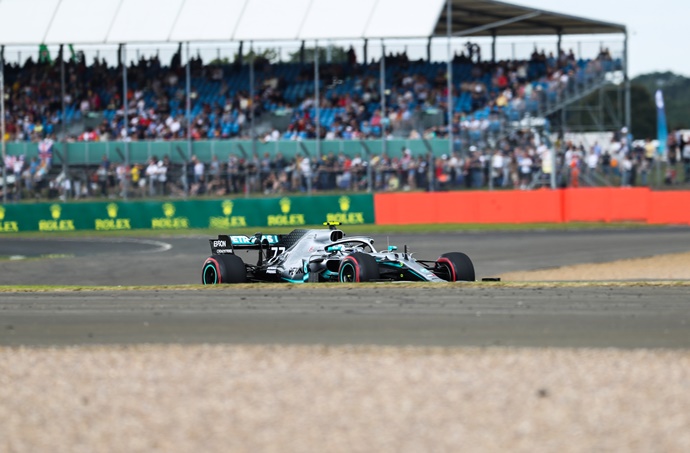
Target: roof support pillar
[(428, 49), (382, 84), (493, 46), (63, 119), (317, 102), (301, 53), (365, 51), (188, 110), (449, 76), (626, 75), (559, 45), (125, 111), (251, 102)]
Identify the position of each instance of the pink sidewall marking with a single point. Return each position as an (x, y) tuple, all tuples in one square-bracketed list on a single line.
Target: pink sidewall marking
[(213, 260), (355, 264), (454, 277)]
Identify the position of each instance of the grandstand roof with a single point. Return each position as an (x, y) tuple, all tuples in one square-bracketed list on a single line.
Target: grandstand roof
[(25, 22), (475, 17)]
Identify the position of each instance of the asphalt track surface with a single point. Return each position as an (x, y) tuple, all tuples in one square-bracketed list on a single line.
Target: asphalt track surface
[(379, 314)]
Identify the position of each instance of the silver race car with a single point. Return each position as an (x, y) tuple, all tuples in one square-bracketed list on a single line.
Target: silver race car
[(324, 255)]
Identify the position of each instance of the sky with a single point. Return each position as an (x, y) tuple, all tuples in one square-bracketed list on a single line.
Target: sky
[(658, 31)]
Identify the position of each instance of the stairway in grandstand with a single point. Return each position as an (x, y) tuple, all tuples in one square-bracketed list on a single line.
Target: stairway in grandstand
[(536, 112), (574, 93)]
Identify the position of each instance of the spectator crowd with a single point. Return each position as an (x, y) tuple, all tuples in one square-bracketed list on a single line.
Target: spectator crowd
[(523, 160), (484, 96)]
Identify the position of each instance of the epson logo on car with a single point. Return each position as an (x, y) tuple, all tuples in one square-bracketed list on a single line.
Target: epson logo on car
[(217, 244)]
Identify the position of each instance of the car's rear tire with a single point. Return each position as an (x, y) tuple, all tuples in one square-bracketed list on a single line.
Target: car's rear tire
[(219, 269), (455, 267), (358, 267)]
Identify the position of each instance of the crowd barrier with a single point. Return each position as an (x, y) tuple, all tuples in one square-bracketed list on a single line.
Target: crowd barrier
[(540, 206)]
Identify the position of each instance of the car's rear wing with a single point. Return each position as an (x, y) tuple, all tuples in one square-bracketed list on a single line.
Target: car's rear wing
[(228, 244)]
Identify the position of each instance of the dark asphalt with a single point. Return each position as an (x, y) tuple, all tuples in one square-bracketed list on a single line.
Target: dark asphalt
[(382, 314), (177, 260)]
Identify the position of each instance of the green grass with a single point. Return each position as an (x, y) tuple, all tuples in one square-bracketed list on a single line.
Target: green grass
[(349, 229), (345, 286), (80, 288)]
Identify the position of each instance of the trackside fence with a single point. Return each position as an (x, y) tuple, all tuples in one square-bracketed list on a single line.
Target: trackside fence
[(539, 206)]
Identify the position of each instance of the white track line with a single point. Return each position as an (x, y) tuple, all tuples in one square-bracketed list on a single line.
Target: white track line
[(161, 246)]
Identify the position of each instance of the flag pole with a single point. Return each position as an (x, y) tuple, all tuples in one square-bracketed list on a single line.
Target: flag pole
[(662, 133)]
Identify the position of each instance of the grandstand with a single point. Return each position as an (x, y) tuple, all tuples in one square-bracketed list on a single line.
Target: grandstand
[(250, 107)]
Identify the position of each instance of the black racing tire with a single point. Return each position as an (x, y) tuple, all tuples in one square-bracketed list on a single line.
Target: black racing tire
[(358, 267), (219, 269), (455, 267)]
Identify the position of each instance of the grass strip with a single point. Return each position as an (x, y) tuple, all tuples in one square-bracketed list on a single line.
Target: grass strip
[(348, 286)]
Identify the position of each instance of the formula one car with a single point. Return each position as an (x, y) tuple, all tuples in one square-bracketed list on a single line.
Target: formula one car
[(324, 255)]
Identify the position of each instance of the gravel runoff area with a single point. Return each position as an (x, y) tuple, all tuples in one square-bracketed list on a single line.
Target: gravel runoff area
[(231, 398), (662, 267), (311, 399), (277, 399)]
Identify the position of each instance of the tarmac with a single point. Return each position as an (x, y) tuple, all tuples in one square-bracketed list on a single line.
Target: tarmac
[(481, 314)]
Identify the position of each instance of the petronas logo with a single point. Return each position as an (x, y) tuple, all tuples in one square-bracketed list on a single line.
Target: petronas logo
[(55, 211), (285, 205), (227, 207), (112, 210), (344, 203), (2, 213), (169, 210)]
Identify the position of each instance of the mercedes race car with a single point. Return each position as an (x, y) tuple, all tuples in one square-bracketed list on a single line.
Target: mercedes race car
[(324, 255)]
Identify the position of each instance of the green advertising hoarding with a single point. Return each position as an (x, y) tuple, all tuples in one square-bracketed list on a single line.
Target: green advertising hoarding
[(223, 214)]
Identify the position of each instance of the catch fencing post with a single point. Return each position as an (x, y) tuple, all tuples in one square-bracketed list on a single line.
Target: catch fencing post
[(125, 108), (188, 112)]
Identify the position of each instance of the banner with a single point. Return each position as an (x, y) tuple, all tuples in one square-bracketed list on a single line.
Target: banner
[(661, 127), (222, 215)]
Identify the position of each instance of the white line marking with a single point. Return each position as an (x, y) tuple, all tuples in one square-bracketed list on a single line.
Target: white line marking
[(162, 246)]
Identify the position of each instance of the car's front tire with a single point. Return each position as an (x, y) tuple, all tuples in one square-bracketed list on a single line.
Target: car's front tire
[(358, 267), (455, 267), (219, 269)]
